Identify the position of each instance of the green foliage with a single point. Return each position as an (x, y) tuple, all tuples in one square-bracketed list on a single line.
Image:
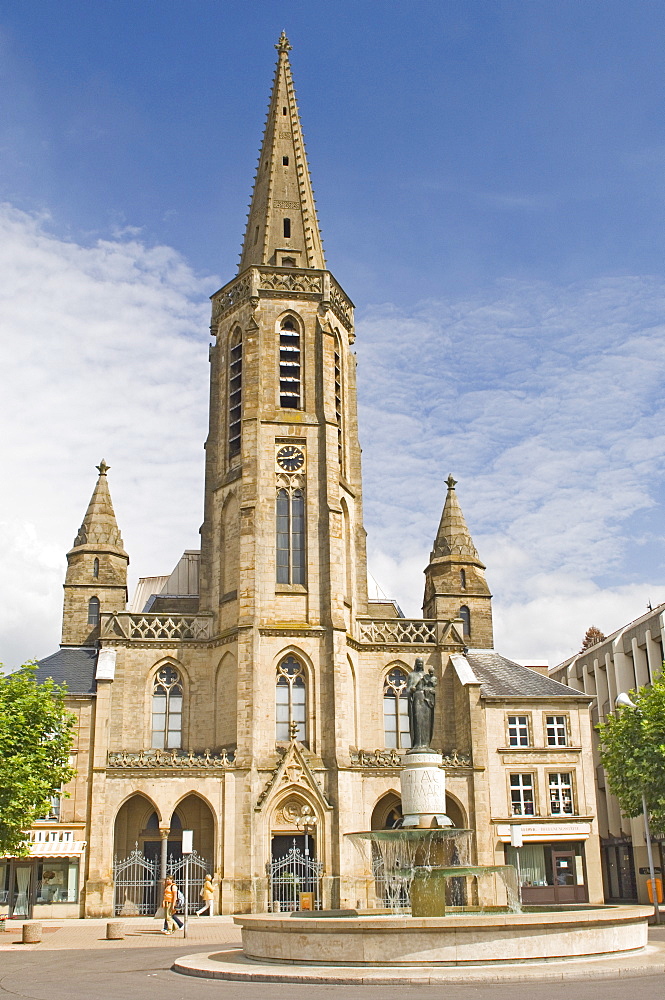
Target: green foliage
[(36, 736), (632, 751)]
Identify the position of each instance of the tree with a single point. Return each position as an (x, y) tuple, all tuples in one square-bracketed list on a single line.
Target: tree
[(36, 736), (632, 751), (593, 635)]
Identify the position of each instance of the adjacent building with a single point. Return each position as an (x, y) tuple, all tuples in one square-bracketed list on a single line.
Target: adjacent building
[(255, 695), (625, 661)]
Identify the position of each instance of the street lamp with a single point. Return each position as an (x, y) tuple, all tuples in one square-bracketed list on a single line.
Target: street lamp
[(624, 701)]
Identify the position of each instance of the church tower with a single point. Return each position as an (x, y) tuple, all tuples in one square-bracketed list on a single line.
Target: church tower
[(96, 580), (455, 584), (283, 544)]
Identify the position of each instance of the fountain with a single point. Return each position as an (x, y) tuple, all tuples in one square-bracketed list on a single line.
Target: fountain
[(461, 914)]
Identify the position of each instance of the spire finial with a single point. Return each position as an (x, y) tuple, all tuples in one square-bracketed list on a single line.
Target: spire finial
[(283, 43), (451, 483), (103, 468)]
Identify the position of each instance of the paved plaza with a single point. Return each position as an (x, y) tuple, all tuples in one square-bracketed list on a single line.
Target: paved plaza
[(75, 962)]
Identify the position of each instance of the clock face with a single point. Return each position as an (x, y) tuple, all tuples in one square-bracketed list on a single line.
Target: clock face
[(290, 458)]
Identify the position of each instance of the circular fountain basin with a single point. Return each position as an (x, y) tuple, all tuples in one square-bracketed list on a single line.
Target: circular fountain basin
[(456, 939)]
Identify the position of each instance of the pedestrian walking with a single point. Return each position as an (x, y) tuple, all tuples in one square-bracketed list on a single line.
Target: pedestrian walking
[(207, 895), (170, 904)]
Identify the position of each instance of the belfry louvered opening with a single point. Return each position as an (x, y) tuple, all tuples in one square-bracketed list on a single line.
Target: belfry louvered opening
[(235, 392), (289, 365)]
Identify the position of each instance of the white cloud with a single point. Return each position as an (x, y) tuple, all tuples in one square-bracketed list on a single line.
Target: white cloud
[(545, 402), (103, 354)]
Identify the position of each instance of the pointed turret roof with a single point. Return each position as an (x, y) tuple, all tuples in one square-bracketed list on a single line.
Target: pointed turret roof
[(99, 529), (453, 537), (282, 215)]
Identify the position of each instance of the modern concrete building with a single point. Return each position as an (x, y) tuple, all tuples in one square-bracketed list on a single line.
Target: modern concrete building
[(255, 695), (626, 660)]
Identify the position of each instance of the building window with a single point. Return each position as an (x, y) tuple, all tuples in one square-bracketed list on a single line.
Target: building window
[(465, 615), (285, 161), (290, 523), (291, 700), (95, 568), (462, 579), (561, 794), (557, 730), (289, 365), (396, 710), (287, 229), (338, 399), (57, 881), (518, 731), (93, 611), (521, 795), (235, 392), (167, 709)]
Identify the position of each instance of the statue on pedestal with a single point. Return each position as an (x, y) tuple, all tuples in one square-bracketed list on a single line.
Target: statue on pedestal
[(421, 695)]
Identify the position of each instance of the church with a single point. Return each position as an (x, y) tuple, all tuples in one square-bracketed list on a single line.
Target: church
[(255, 695)]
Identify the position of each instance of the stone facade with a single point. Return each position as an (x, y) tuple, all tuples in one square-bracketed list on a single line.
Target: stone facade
[(263, 707)]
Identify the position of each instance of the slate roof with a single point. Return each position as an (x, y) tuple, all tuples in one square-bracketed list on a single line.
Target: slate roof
[(73, 666), (503, 678)]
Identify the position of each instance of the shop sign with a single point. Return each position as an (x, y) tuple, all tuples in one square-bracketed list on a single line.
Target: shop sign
[(545, 831)]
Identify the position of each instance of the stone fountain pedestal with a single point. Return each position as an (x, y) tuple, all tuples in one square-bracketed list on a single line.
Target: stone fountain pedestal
[(423, 786)]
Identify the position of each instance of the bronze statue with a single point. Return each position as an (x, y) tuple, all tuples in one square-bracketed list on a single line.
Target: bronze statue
[(421, 695)]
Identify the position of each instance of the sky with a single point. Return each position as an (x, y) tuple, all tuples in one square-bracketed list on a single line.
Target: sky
[(491, 193)]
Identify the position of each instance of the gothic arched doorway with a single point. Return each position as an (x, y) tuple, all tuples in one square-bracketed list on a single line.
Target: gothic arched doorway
[(293, 870)]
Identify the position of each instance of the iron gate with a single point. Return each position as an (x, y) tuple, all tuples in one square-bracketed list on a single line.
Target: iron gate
[(392, 887), (135, 885), (198, 869), (138, 884), (292, 875)]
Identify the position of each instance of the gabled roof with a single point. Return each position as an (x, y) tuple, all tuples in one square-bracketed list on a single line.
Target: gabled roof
[(503, 678), (71, 665)]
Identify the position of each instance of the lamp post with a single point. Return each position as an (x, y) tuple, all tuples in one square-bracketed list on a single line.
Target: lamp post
[(623, 701)]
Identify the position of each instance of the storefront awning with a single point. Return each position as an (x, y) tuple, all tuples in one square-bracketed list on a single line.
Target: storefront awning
[(55, 849)]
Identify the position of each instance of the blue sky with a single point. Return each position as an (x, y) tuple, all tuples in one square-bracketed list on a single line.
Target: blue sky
[(491, 192)]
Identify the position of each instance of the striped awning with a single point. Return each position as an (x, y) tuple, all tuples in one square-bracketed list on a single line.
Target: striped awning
[(56, 849)]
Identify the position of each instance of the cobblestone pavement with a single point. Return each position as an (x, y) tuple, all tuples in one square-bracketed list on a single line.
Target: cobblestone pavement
[(74, 962)]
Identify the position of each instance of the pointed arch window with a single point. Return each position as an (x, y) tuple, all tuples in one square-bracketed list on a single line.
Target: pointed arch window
[(93, 611), (289, 365), (465, 615), (235, 392), (167, 709), (291, 700), (290, 536), (395, 710), (338, 398)]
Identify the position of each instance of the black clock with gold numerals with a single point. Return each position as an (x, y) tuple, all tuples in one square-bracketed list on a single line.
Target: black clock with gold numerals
[(290, 458)]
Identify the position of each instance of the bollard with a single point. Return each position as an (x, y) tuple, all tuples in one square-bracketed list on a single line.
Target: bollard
[(32, 932), (114, 931)]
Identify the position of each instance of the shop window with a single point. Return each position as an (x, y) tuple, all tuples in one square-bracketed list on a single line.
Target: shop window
[(521, 795), (396, 710), (557, 730), (518, 731), (561, 794), (93, 611), (291, 700), (167, 710), (57, 881), (530, 859)]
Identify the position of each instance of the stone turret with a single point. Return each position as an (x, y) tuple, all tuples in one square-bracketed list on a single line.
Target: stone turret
[(455, 584), (96, 580)]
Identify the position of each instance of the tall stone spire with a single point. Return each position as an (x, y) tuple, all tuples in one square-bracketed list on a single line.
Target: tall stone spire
[(96, 580), (282, 227), (455, 584), (99, 527)]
